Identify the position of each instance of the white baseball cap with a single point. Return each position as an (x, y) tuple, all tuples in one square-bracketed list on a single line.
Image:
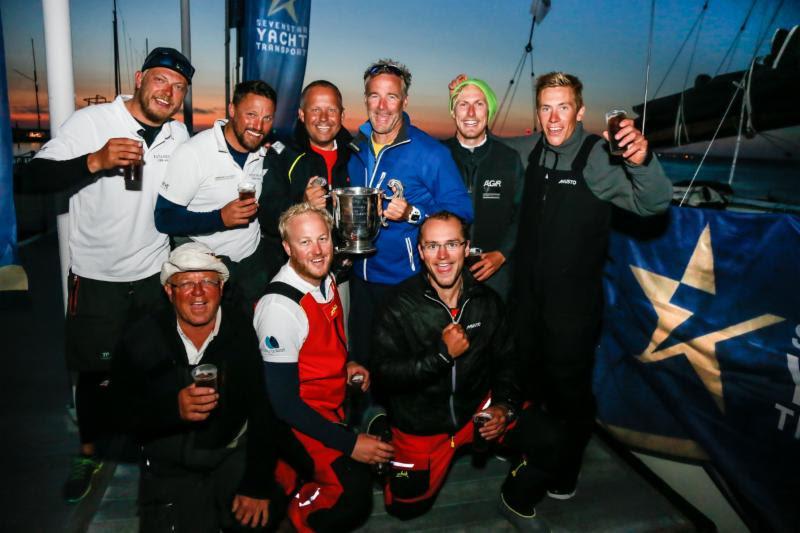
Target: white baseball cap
[(192, 257)]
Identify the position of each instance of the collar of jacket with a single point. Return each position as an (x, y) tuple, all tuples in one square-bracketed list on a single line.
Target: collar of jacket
[(570, 146), (364, 134), (479, 152), (471, 286), (166, 322)]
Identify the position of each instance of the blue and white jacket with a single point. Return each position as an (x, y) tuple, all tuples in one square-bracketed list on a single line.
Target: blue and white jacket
[(431, 183)]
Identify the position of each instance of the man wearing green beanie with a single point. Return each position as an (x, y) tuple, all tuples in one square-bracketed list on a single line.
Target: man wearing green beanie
[(492, 173)]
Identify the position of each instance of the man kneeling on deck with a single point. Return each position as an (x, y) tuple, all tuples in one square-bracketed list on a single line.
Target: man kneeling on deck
[(300, 327), (443, 354), (194, 394)]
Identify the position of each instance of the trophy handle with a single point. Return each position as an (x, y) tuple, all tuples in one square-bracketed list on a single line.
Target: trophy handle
[(319, 181), (399, 193)]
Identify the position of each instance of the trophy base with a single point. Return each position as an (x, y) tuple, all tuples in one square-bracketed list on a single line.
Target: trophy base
[(357, 248)]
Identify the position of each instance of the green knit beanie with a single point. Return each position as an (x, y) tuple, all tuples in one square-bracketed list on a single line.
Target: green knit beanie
[(491, 99)]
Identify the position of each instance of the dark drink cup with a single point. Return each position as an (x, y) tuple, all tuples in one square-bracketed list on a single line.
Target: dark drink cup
[(205, 376), (133, 176), (355, 383), (473, 257), (479, 444), (613, 119), (247, 190)]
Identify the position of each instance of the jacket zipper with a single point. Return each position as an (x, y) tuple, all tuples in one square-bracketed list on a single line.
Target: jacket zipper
[(368, 183), (454, 320), (410, 250), (380, 155)]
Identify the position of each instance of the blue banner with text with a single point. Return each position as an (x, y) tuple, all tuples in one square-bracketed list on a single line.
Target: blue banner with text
[(700, 349), (274, 49), (8, 219)]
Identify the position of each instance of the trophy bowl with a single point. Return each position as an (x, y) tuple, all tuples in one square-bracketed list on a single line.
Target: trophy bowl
[(356, 219)]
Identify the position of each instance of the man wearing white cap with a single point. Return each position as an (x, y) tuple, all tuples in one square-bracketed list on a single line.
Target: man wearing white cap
[(208, 452)]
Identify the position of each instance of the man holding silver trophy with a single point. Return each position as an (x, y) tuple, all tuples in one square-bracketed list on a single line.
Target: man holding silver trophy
[(414, 171)]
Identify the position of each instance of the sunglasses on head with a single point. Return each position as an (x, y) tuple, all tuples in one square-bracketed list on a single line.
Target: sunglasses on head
[(167, 60), (381, 69)]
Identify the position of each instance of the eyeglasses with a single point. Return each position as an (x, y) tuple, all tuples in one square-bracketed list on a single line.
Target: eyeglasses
[(190, 286), (450, 246), (382, 68)]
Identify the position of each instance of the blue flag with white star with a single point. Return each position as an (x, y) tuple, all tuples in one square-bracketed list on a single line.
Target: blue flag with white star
[(274, 42), (700, 349)]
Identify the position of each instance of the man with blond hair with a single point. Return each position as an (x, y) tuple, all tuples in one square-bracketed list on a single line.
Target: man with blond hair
[(300, 329), (571, 185)]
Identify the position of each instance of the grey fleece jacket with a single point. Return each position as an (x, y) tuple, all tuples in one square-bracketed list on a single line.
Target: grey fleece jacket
[(641, 189)]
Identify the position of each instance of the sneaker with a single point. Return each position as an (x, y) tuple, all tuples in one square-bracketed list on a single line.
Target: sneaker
[(563, 491), (79, 482), (522, 522)]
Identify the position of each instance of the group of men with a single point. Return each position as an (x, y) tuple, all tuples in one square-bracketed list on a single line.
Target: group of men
[(427, 324)]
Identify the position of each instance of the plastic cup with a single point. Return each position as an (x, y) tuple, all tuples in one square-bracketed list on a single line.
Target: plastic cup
[(479, 444), (613, 119), (355, 383), (473, 257), (247, 190), (133, 176), (205, 376)]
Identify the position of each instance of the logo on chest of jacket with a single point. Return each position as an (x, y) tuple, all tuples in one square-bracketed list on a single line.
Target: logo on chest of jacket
[(492, 188), (567, 181), (473, 325)]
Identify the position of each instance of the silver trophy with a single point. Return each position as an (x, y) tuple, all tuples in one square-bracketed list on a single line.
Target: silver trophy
[(356, 218)]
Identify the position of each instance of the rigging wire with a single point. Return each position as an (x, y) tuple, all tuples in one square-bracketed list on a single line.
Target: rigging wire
[(739, 86), (731, 52), (746, 102), (533, 96), (680, 118), (677, 55), (514, 81), (647, 68), (125, 54), (708, 148), (511, 83), (508, 109)]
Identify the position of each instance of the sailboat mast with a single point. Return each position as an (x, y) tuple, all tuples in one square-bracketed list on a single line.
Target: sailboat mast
[(117, 85), (36, 88), (186, 48)]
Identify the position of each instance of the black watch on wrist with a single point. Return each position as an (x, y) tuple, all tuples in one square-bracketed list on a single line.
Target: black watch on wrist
[(414, 215)]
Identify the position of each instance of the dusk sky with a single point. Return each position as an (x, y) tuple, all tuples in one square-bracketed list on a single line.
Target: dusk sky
[(605, 46)]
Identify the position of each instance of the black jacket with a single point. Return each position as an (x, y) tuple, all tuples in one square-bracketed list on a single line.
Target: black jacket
[(429, 392), (151, 367), (302, 162), (493, 175)]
